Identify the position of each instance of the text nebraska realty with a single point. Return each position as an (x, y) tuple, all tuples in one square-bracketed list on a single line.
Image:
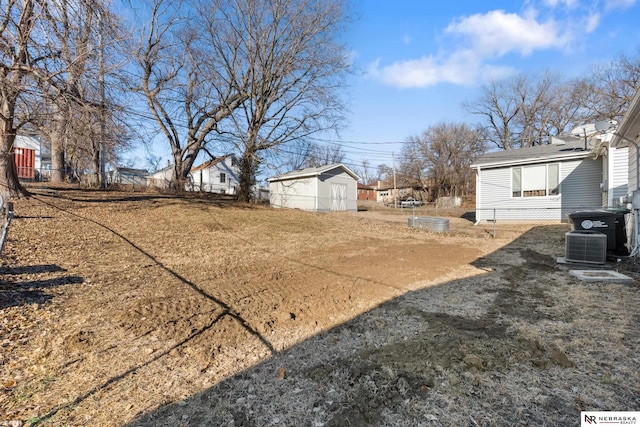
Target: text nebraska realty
[(620, 420)]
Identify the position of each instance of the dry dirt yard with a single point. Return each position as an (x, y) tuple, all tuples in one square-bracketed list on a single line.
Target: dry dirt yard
[(141, 309)]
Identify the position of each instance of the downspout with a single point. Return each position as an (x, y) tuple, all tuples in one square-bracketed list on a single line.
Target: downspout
[(636, 210), (478, 195), (317, 195)]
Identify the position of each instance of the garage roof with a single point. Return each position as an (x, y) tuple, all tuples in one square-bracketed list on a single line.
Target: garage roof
[(311, 172)]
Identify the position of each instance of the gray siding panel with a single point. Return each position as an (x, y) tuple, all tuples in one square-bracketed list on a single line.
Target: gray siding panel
[(579, 187), (581, 184)]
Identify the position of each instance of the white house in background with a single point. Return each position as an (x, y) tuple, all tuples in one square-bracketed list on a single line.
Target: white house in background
[(219, 175), (321, 189), (161, 178), (547, 182), (128, 176)]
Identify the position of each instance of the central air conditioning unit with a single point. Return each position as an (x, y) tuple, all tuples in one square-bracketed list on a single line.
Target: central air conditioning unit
[(586, 247)]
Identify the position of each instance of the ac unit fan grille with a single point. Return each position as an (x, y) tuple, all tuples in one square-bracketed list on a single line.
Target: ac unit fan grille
[(586, 246)]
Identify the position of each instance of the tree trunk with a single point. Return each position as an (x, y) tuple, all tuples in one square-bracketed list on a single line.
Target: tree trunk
[(181, 171), (97, 175), (247, 176), (58, 164)]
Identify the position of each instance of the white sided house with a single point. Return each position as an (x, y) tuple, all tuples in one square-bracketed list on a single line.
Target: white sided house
[(321, 189), (219, 175), (547, 182), (161, 178)]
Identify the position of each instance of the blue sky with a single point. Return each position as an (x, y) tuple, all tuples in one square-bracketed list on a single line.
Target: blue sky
[(417, 61)]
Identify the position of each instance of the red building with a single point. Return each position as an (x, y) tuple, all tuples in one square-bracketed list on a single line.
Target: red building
[(366, 192), (25, 159)]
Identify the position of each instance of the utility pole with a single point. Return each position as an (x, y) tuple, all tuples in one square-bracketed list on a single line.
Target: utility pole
[(395, 187)]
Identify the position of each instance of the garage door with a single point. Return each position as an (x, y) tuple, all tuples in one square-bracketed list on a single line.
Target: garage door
[(338, 197)]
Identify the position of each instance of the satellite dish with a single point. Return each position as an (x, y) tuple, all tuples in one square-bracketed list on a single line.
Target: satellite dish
[(606, 125), (583, 130)]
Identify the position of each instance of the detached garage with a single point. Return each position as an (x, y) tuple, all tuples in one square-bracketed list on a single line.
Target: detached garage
[(322, 189)]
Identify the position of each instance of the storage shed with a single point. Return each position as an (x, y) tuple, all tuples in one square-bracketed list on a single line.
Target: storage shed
[(32, 159), (321, 189)]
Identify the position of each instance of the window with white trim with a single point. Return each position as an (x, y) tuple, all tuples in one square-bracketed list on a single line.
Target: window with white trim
[(535, 181), (223, 177)]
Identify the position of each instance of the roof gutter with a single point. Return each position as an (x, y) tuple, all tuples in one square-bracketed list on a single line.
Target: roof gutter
[(575, 155)]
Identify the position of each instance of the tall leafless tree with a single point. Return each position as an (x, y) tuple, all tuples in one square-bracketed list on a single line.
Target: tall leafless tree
[(296, 69), (44, 48), (88, 37), (365, 171), (525, 109), (194, 74), (18, 56), (439, 158), (325, 154), (609, 87)]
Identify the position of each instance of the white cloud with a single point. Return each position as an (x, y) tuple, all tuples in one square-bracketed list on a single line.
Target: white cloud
[(619, 4), (463, 68), (592, 22), (497, 33), (483, 37), (479, 43), (555, 3)]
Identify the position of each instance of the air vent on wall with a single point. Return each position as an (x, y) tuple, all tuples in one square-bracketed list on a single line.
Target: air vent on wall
[(586, 246)]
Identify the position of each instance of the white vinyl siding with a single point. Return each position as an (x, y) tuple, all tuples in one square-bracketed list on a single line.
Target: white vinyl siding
[(328, 183), (620, 174), (299, 194), (579, 186), (333, 189)]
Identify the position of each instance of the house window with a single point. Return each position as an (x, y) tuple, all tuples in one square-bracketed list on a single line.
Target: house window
[(535, 181), (223, 177)]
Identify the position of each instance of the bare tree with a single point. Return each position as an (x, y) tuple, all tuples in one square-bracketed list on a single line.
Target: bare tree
[(525, 110), (499, 105), (17, 57), (89, 39), (365, 168), (564, 109), (384, 172), (440, 157), (326, 154), (44, 50), (194, 74), (609, 88), (296, 69)]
